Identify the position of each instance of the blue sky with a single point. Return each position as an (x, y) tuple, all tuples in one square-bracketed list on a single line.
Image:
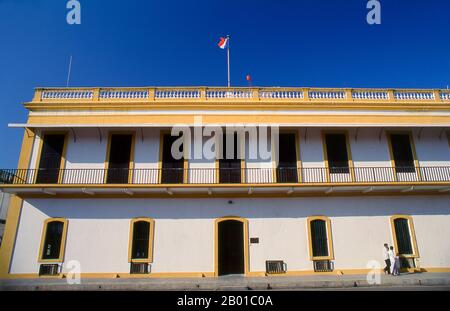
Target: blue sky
[(325, 43)]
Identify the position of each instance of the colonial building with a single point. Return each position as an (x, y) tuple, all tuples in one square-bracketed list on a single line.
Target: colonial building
[(98, 186)]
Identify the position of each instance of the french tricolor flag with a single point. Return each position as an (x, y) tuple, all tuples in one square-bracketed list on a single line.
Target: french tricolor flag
[(223, 44)]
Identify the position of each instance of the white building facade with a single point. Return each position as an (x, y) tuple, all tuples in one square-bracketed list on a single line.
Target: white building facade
[(98, 189)]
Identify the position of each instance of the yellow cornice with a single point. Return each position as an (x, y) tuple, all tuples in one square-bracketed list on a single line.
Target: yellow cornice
[(281, 119), (223, 105)]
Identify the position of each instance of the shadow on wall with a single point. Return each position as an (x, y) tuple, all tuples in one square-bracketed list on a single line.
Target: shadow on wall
[(243, 207)]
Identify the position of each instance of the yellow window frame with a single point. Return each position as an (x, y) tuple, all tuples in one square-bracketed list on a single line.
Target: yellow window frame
[(62, 248), (62, 164), (151, 222), (329, 238), (160, 164), (412, 233), (413, 149), (349, 153), (275, 161), (216, 242), (108, 152)]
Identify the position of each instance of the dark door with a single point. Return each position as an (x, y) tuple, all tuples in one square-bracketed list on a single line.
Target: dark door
[(119, 159), (337, 153), (172, 170), (231, 247), (230, 166), (50, 162), (403, 154), (287, 164)]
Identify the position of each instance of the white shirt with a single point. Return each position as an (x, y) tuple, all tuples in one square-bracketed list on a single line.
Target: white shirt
[(391, 256), (385, 253)]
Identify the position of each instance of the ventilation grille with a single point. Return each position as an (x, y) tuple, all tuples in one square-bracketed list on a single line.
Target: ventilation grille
[(406, 263), (47, 269), (139, 268), (275, 267), (323, 266)]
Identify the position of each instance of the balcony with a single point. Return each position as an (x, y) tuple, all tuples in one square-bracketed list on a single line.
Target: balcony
[(253, 181), (185, 94)]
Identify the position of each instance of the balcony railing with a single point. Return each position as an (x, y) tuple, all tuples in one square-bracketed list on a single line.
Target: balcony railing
[(219, 176), (163, 94)]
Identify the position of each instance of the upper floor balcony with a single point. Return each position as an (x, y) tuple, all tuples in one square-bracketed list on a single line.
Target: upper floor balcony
[(289, 181)]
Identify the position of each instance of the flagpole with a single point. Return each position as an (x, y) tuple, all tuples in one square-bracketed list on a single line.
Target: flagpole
[(228, 60), (70, 69)]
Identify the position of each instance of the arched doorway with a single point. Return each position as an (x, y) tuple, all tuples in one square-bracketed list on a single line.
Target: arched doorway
[(231, 246)]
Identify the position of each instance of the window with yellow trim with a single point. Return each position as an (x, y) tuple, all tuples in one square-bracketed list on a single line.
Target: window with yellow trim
[(404, 236), (141, 240), (287, 170), (120, 157), (402, 152), (51, 158), (172, 170), (320, 244), (53, 240), (336, 153)]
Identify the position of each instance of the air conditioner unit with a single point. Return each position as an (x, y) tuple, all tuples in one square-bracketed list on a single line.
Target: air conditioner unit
[(406, 263), (323, 266), (275, 267), (48, 269), (139, 268)]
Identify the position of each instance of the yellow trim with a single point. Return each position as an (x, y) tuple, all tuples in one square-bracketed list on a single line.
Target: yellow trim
[(108, 151), (100, 275), (150, 239), (62, 248), (216, 242), (413, 150), (62, 164), (261, 185), (14, 210), (211, 274), (329, 238), (243, 162), (161, 146), (411, 232), (391, 156), (299, 157), (236, 118), (313, 194), (349, 152), (185, 168)]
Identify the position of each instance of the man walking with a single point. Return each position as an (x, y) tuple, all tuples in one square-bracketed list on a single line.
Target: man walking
[(387, 268)]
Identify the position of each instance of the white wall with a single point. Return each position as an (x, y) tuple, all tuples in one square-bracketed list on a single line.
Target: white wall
[(432, 147), (98, 230)]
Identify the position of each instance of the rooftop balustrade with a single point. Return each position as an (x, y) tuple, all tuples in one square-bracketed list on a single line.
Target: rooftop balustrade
[(162, 94)]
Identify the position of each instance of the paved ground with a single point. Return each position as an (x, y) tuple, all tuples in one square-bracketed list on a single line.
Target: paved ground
[(418, 281)]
